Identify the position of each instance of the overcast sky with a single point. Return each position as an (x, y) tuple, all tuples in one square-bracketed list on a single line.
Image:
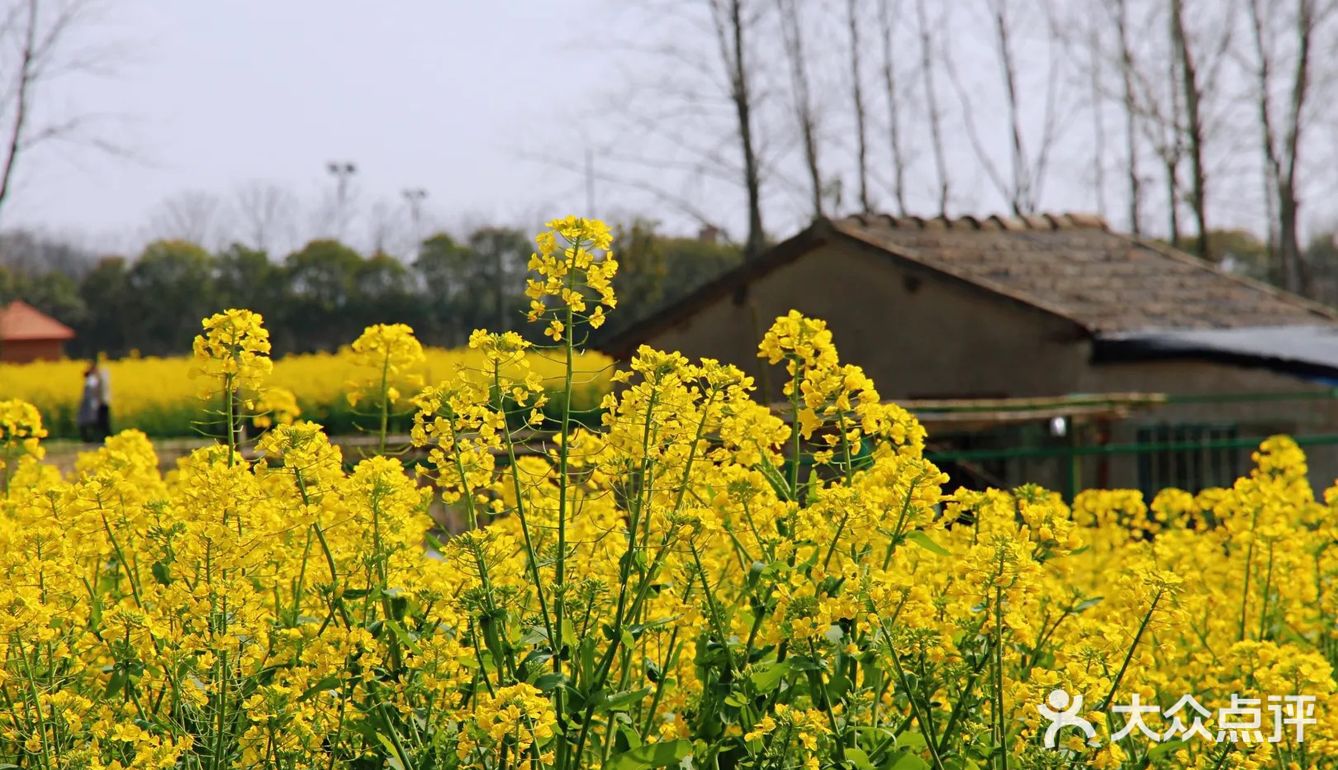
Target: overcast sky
[(464, 98), (446, 95)]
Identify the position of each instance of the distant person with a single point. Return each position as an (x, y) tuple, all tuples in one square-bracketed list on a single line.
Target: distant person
[(104, 399), (94, 418), (90, 404)]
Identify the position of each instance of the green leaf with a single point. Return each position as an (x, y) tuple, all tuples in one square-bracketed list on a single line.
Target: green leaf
[(620, 701), (908, 761), (1088, 603), (858, 758), (534, 635), (162, 572), (911, 740), (550, 681), (403, 635), (651, 755), (392, 756), (628, 737), (328, 683), (922, 540), (1161, 749), (766, 679)]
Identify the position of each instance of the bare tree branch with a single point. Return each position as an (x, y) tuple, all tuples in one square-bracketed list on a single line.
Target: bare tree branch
[(857, 100), (729, 22), (36, 48), (927, 58), (887, 11), (792, 35)]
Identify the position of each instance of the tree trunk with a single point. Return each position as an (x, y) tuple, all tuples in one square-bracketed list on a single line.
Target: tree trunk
[(1192, 91), (22, 97), (1130, 117), (931, 101), (1020, 197), (1098, 121), (857, 97), (885, 14), (729, 27), (793, 37), (1288, 199)]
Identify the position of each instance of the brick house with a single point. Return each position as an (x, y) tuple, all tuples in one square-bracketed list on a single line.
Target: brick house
[(28, 334)]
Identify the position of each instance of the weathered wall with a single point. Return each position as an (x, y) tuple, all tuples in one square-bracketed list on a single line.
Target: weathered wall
[(916, 334)]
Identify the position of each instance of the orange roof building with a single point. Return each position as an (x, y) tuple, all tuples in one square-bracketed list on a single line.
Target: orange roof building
[(28, 334)]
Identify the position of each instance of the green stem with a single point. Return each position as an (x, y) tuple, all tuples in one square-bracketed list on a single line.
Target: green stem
[(228, 397), (560, 569), (1128, 656), (385, 403), (920, 717), (1002, 741)]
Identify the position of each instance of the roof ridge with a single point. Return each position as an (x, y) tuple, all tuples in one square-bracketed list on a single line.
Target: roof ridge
[(1170, 252), (991, 286), (1068, 220), (21, 321)]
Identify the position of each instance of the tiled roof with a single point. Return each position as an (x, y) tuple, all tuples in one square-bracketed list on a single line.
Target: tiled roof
[(21, 321), (1072, 265), (1068, 265)]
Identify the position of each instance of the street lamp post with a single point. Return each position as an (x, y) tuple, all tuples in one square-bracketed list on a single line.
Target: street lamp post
[(342, 171), (414, 196)]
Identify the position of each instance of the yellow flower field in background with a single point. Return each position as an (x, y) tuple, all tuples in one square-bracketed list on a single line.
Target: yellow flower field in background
[(157, 395)]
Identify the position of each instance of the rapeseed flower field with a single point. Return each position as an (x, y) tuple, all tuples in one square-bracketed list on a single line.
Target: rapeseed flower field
[(157, 395), (699, 582)]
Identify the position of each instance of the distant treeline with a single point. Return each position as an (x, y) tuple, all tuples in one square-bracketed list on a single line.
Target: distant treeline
[(321, 296)]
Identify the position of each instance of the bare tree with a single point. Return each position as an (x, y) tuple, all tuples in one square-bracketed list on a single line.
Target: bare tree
[(266, 215), (388, 228), (1155, 100), (192, 215), (1191, 87), (38, 41), (1022, 186), (731, 26), (1281, 127), (927, 69), (888, 10), (857, 100), (792, 35), (1168, 138), (1094, 75), (1129, 103), (1169, 94)]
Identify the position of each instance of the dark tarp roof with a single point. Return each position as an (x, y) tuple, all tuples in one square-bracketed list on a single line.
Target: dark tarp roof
[(1309, 351)]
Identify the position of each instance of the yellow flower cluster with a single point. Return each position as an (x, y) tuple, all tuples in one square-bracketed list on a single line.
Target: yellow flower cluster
[(21, 428), (573, 269), (694, 581), (21, 433), (233, 352), (390, 357)]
